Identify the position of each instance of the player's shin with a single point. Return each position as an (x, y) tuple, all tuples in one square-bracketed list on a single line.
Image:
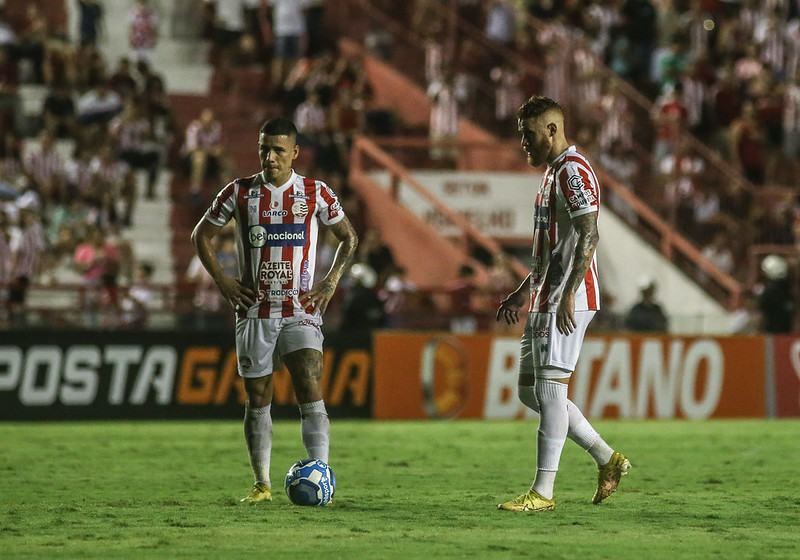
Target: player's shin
[(553, 427), (258, 435), (315, 428)]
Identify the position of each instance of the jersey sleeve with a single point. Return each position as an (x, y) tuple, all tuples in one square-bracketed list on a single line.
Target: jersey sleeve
[(223, 206), (329, 209), (579, 187)]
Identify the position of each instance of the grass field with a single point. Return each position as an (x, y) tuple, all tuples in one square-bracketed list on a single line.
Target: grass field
[(406, 490)]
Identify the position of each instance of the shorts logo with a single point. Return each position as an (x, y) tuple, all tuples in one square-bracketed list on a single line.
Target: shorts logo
[(245, 362), (278, 235)]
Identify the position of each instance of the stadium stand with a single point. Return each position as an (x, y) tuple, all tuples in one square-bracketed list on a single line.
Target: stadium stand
[(371, 73)]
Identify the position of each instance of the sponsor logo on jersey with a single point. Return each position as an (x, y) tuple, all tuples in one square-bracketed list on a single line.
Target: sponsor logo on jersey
[(541, 218), (334, 209), (582, 196), (275, 272), (270, 213), (279, 294), (278, 235), (253, 195), (299, 195)]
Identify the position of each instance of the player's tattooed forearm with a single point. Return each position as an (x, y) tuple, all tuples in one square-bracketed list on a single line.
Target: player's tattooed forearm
[(588, 237)]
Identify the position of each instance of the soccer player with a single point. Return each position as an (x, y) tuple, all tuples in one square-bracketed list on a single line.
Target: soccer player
[(563, 294), (278, 305)]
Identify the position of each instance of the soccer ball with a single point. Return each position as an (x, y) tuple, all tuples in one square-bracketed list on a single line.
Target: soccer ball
[(310, 482)]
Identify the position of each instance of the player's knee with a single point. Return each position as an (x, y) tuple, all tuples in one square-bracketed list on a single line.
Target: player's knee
[(527, 395)]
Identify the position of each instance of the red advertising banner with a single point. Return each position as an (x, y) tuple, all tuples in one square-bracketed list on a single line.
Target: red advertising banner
[(420, 375), (786, 351)]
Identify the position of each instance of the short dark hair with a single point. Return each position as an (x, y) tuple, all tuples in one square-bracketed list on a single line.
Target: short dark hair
[(279, 127), (536, 106)]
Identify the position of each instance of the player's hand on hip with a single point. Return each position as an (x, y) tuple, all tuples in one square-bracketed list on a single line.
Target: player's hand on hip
[(318, 297), (238, 295)]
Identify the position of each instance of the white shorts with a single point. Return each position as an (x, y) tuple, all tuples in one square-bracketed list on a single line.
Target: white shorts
[(543, 346), (260, 343)]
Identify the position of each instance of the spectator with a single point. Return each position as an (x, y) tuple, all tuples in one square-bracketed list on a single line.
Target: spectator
[(135, 138), (229, 25), (11, 115), (719, 253), (31, 43), (444, 116), (776, 300), (362, 309), (140, 297), (6, 260), (114, 177), (27, 245), (58, 112), (203, 151), (288, 30), (142, 31), (90, 21), (670, 119), (461, 293), (398, 295), (96, 108), (98, 262), (646, 315), (122, 80), (747, 144), (501, 22), (206, 303), (45, 166)]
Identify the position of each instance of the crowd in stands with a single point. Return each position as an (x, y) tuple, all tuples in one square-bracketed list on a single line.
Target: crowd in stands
[(69, 175), (725, 72)]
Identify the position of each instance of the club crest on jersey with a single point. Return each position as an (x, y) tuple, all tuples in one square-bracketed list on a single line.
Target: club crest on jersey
[(300, 209), (277, 235)]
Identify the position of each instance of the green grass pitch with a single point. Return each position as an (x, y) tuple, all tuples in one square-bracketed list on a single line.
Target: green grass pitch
[(406, 490)]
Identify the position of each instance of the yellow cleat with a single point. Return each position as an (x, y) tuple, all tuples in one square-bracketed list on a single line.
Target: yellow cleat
[(259, 493), (529, 501), (608, 476)]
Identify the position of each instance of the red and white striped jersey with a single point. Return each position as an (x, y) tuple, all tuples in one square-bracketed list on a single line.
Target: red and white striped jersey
[(277, 231), (569, 189)]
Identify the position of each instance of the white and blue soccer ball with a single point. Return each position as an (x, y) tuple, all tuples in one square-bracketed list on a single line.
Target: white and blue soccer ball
[(310, 482)]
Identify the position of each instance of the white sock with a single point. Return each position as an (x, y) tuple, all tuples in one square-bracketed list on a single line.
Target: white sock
[(315, 427), (580, 430), (553, 427), (258, 436)]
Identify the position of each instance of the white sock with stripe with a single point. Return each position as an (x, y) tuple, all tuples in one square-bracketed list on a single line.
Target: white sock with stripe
[(258, 436), (315, 427), (553, 427)]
